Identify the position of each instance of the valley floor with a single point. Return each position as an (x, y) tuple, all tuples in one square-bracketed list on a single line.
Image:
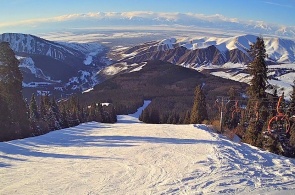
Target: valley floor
[(135, 158)]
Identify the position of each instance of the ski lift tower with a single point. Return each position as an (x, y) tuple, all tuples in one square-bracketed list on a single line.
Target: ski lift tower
[(221, 101)]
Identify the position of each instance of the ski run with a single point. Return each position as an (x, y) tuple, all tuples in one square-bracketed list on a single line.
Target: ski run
[(131, 157)]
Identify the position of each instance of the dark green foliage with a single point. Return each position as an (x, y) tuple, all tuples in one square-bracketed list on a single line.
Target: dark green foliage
[(257, 104), (34, 115), (272, 145), (187, 118), (33, 109), (199, 110), (292, 136), (14, 121), (258, 70), (171, 89), (253, 134), (150, 115), (292, 101)]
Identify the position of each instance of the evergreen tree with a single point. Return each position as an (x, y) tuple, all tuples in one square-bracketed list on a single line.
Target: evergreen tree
[(292, 136), (253, 135), (16, 123), (42, 108), (154, 116), (64, 117), (258, 70), (145, 116), (34, 114), (187, 118), (199, 110), (257, 104), (100, 115), (292, 101), (5, 132)]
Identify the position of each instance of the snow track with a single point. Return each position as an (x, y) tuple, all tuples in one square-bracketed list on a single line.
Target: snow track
[(135, 158)]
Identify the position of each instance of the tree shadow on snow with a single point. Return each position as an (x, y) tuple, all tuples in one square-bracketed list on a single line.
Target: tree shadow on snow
[(19, 150)]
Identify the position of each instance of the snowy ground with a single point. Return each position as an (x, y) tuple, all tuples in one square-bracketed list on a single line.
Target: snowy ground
[(135, 158)]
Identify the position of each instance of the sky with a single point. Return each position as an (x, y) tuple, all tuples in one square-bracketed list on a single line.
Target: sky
[(14, 13)]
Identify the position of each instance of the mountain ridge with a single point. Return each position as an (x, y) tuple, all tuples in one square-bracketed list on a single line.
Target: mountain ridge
[(209, 50), (56, 67)]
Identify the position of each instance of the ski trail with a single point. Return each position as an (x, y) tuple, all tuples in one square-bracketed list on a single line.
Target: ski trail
[(130, 157)]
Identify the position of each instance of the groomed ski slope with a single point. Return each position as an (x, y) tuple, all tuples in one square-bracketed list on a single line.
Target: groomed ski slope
[(130, 157)]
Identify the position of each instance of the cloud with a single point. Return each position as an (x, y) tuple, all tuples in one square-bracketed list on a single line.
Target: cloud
[(145, 18), (278, 4), (123, 15)]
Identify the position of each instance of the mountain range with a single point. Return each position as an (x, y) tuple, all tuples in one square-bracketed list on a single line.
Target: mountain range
[(56, 67), (64, 68), (208, 50)]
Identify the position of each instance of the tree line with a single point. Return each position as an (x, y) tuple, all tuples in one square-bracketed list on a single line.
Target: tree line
[(250, 121), (20, 119)]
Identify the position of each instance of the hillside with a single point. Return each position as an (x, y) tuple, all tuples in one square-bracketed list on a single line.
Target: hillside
[(195, 52), (56, 67), (170, 87), (135, 158)]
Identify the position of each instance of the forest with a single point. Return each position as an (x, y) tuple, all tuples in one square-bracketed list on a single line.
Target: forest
[(179, 96)]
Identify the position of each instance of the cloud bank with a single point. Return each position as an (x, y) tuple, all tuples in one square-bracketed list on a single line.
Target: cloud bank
[(143, 18)]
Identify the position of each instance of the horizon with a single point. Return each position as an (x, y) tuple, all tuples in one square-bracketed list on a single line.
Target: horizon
[(31, 16)]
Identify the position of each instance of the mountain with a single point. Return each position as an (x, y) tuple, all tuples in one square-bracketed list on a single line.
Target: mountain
[(171, 88), (207, 50), (56, 67)]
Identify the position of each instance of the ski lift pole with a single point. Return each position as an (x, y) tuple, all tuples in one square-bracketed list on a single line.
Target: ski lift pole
[(222, 100)]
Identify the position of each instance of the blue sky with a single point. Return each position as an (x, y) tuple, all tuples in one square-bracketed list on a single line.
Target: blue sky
[(281, 12)]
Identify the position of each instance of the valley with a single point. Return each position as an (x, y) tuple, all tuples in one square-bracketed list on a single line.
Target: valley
[(65, 68), (147, 97)]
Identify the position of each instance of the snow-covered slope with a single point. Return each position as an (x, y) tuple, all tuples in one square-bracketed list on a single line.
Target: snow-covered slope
[(278, 49), (135, 158), (208, 50), (281, 77), (64, 66)]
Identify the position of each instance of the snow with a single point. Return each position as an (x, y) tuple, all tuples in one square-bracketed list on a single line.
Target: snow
[(241, 77), (35, 84), (89, 58), (282, 83), (278, 49), (130, 157), (28, 63), (133, 118), (127, 55), (168, 43), (88, 90), (115, 69), (138, 68)]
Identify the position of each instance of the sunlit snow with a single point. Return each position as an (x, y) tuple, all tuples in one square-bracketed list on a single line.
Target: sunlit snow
[(131, 157)]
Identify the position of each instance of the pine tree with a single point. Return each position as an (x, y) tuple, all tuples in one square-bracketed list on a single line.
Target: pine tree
[(199, 110), (256, 104), (16, 119), (292, 101), (33, 108), (187, 118), (5, 132), (258, 70), (253, 134), (64, 117), (292, 136), (34, 115), (42, 108), (55, 114)]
